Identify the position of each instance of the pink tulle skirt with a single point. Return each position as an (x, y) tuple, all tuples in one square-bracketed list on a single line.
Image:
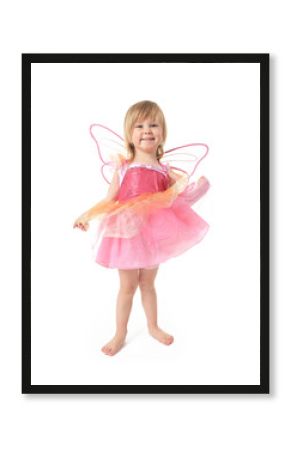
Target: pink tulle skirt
[(151, 229)]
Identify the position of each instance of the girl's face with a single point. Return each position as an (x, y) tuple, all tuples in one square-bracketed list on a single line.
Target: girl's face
[(147, 135)]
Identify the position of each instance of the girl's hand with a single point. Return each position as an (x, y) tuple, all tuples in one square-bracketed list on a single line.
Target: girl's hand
[(81, 224)]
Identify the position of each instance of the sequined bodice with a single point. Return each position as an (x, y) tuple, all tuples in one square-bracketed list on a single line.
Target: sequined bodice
[(137, 178)]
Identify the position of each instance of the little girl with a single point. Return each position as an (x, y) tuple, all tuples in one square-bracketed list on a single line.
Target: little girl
[(146, 218)]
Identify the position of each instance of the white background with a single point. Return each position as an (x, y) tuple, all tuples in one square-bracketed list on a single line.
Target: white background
[(91, 421), (208, 296)]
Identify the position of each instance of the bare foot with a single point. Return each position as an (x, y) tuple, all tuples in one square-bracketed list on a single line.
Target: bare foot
[(161, 336), (114, 345)]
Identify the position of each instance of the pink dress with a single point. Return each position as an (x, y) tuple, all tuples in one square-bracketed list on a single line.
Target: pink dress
[(149, 221)]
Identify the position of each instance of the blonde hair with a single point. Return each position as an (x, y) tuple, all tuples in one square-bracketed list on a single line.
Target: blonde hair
[(138, 112)]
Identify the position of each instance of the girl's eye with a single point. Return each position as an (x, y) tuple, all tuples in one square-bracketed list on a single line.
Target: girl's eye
[(151, 125)]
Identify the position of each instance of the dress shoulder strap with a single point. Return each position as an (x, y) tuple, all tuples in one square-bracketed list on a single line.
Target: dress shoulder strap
[(165, 166), (122, 170)]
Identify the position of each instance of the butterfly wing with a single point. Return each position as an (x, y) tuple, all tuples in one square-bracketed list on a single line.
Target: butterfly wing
[(186, 158), (112, 152), (111, 149)]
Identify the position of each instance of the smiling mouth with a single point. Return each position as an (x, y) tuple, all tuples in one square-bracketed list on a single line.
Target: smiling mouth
[(147, 139)]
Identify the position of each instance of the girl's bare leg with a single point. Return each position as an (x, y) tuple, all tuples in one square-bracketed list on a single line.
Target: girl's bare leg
[(149, 301), (129, 280)]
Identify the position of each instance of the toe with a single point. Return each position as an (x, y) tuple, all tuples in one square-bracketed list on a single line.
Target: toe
[(106, 349), (169, 340)]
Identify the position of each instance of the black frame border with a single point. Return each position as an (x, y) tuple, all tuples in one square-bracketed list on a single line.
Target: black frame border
[(263, 59)]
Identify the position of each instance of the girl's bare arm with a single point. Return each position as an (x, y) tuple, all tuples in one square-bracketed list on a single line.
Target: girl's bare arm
[(114, 187)]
